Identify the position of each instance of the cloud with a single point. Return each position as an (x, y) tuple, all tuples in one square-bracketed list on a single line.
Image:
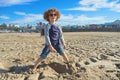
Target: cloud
[(4, 17), (81, 20), (66, 17), (14, 2), (83, 8), (20, 13), (27, 18), (92, 5), (64, 20)]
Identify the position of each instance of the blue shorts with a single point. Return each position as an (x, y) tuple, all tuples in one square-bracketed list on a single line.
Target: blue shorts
[(46, 50)]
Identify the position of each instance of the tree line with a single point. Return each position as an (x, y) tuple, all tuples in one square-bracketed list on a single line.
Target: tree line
[(11, 28), (92, 29), (99, 28)]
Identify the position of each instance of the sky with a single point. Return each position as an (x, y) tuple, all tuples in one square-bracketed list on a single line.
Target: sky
[(73, 12)]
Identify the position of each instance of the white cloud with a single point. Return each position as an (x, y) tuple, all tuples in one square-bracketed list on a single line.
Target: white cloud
[(115, 7), (92, 5), (14, 2), (83, 8), (20, 13), (64, 17), (82, 19), (4, 17), (64, 20), (27, 18)]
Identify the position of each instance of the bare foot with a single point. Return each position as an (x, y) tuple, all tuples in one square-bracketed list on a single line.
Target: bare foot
[(70, 68), (32, 70)]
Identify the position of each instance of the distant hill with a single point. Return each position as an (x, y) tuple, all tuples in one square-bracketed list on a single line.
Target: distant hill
[(116, 22)]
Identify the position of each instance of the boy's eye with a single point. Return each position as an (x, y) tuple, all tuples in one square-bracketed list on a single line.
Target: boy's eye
[(53, 15)]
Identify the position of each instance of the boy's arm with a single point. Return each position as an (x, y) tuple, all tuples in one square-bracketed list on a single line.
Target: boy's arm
[(62, 37), (46, 32)]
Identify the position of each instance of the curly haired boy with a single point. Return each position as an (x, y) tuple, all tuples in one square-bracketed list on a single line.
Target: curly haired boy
[(53, 37)]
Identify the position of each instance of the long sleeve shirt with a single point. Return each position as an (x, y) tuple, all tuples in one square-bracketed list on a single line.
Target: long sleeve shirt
[(50, 33)]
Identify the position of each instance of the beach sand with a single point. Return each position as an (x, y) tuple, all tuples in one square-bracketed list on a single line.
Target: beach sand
[(94, 56)]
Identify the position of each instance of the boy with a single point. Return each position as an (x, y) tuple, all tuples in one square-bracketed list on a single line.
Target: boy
[(53, 37)]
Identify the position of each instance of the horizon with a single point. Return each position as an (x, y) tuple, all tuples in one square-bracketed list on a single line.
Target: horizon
[(77, 12)]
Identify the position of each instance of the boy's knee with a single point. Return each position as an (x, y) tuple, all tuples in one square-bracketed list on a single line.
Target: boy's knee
[(43, 56), (62, 54)]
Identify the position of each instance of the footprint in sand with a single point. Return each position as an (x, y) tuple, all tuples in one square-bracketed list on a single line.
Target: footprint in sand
[(104, 61), (117, 65), (102, 57), (110, 56), (90, 60), (93, 59), (115, 71), (86, 62)]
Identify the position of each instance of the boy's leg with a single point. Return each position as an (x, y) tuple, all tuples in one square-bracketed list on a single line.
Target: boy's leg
[(43, 55), (37, 63), (61, 51), (69, 66), (65, 58)]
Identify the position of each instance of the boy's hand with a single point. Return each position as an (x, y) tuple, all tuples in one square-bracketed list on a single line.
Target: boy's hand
[(52, 49), (64, 45)]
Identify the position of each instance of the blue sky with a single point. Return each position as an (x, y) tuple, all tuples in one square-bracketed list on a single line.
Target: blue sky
[(73, 12)]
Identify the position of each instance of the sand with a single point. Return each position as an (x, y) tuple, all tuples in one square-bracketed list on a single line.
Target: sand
[(94, 56)]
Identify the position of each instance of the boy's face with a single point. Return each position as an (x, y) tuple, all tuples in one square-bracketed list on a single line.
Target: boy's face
[(52, 17)]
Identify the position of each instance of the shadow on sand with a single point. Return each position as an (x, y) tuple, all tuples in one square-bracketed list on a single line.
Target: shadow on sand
[(20, 69), (59, 68), (3, 71)]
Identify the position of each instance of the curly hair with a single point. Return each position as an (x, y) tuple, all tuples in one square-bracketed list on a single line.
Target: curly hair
[(47, 13)]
